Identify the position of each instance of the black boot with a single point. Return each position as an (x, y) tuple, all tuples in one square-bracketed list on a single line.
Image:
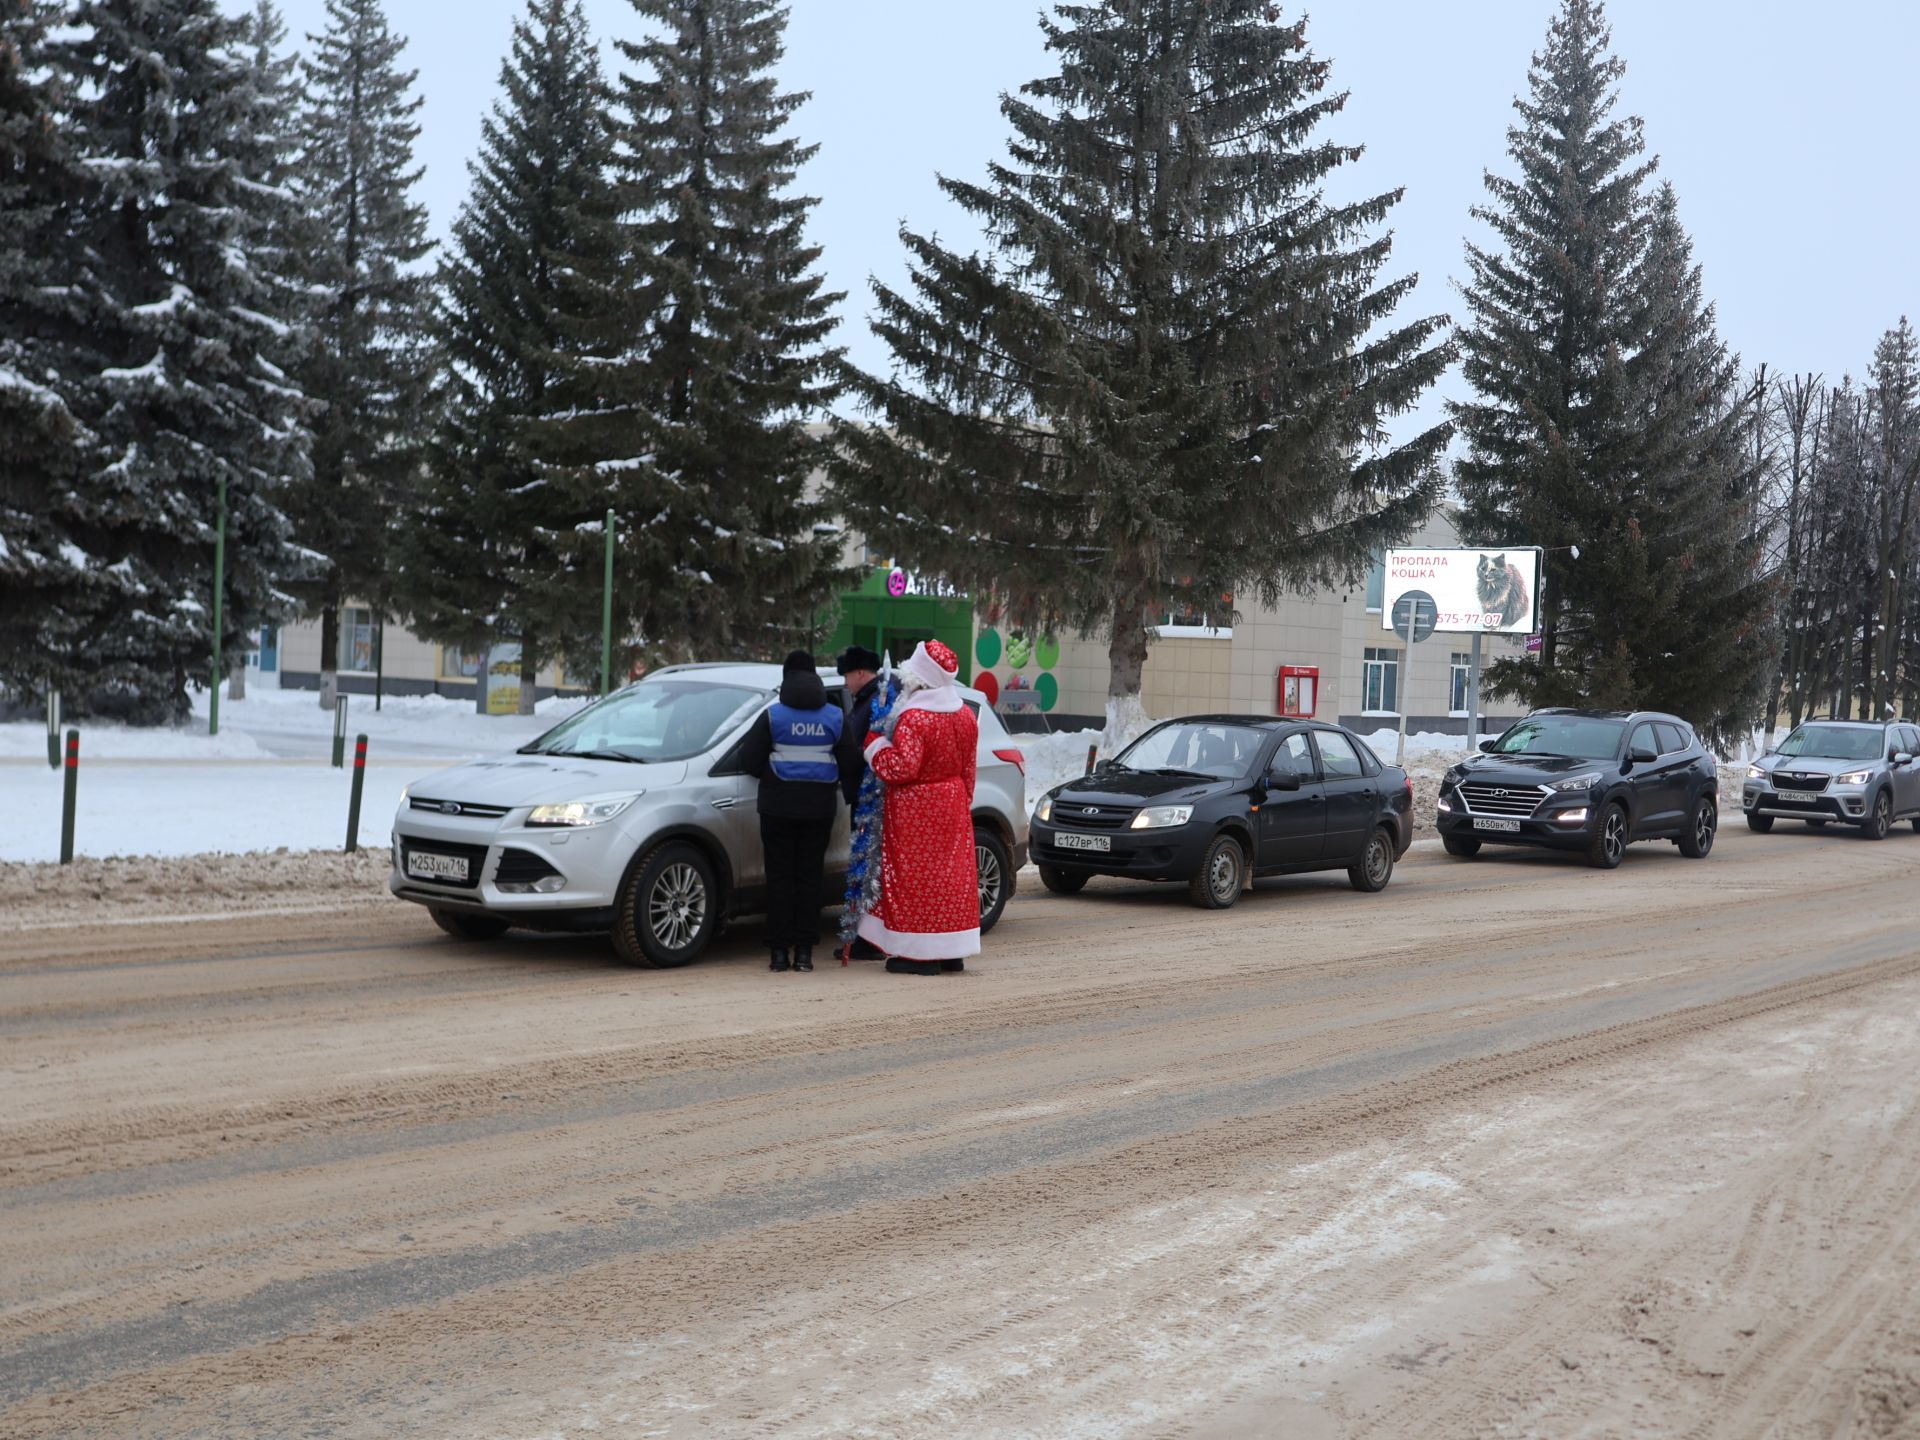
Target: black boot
[(951, 965), (780, 959), (803, 957), (898, 966)]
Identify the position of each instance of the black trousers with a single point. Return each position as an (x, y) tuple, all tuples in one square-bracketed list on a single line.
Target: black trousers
[(796, 854)]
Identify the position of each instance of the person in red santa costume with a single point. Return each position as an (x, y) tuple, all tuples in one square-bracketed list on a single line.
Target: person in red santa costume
[(927, 916)]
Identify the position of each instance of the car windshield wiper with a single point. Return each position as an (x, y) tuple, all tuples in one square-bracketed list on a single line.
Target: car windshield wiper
[(595, 755), (1176, 770)]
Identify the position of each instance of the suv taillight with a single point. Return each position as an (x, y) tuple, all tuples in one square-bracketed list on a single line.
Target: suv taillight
[(1014, 758)]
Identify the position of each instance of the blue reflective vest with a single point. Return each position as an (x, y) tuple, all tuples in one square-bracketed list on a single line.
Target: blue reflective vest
[(803, 743)]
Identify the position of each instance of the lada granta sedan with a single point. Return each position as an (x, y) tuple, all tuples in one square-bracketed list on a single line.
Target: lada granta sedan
[(634, 817), (1214, 800)]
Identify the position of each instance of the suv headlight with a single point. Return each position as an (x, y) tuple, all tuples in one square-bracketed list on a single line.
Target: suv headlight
[(1754, 772), (1579, 782), (574, 813), (1853, 777), (1162, 817), (1044, 810)]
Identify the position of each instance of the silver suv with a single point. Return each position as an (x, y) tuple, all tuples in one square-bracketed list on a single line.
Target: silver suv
[(633, 816), (1853, 771)]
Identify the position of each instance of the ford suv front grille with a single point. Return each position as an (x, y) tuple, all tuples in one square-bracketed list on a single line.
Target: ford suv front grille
[(1509, 800), (457, 807)]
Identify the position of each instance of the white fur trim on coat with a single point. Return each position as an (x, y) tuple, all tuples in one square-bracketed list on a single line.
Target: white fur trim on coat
[(879, 743), (928, 671), (917, 945)]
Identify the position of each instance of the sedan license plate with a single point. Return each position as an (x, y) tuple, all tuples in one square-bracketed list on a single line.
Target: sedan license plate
[(1509, 827), (1069, 841), (425, 865)]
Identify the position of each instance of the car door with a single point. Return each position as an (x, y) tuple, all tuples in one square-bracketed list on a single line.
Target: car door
[(1655, 784), (1906, 778), (1351, 795), (1293, 823)]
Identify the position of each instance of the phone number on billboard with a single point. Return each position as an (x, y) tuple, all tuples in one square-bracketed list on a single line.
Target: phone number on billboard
[(1487, 620)]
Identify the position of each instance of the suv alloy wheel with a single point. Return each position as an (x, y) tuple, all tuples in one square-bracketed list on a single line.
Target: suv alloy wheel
[(666, 911), (1609, 843), (1697, 843), (1880, 821), (995, 868)]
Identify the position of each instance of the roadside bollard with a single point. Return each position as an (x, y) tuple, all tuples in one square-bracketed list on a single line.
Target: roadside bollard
[(66, 805), (353, 805), (53, 729), (1092, 751), (340, 732)]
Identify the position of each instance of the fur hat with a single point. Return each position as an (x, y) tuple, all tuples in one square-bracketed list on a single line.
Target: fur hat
[(798, 660), (857, 657), (932, 665)]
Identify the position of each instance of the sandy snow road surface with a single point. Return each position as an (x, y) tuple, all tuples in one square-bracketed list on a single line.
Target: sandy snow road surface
[(1514, 1148)]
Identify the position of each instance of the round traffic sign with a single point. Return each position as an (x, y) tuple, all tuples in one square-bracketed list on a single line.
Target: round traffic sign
[(1413, 616)]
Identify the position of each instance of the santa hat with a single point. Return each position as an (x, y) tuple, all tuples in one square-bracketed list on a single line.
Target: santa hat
[(932, 664)]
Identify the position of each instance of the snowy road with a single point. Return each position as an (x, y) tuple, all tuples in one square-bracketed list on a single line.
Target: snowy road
[(1513, 1148)]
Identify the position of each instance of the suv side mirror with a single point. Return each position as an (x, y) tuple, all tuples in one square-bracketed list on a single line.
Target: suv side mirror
[(1903, 758), (1101, 767), (1486, 746), (1641, 755)]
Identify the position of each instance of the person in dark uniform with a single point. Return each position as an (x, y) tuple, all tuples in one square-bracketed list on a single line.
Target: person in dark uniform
[(793, 750), (860, 667)]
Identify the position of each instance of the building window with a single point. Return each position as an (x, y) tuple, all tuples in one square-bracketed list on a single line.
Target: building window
[(356, 639), (1382, 681), (1457, 688), (1377, 580), (1194, 611)]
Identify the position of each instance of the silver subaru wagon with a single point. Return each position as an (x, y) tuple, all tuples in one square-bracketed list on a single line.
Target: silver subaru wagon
[(634, 817)]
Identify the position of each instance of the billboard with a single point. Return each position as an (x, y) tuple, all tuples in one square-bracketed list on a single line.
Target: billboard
[(1491, 591)]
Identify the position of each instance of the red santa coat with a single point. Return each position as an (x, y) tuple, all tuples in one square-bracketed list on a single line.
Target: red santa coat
[(929, 905)]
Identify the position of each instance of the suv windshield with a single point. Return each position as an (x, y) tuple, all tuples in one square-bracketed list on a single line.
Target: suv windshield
[(1578, 737), (1191, 747), (653, 721), (1834, 742)]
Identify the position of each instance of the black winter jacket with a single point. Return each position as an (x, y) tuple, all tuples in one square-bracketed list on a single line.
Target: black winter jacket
[(789, 799), (852, 750)]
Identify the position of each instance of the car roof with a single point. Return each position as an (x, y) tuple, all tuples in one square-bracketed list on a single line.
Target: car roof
[(755, 674), (1584, 714), (1856, 724), (1260, 721)]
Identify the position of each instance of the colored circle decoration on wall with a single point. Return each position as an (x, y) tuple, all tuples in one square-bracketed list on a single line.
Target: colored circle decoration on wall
[(1048, 689), (1047, 652), (1019, 650), (896, 582), (988, 686), (986, 648)]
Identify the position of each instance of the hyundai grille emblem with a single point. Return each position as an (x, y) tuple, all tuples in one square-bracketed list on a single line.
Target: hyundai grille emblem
[(448, 807), (1499, 794)]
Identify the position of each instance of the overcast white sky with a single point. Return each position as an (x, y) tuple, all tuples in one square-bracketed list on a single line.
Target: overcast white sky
[(1788, 130)]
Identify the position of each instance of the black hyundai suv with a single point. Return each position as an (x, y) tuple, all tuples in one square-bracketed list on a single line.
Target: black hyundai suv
[(1213, 799), (1585, 780)]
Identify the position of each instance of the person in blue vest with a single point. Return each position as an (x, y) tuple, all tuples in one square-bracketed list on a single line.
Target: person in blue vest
[(792, 751)]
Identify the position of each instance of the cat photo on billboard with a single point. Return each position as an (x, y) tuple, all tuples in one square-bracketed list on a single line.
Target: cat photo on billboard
[(1503, 590)]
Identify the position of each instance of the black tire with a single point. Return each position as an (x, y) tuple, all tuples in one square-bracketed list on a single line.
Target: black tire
[(1697, 842), (462, 926), (1371, 872), (1460, 845), (1609, 844), (1063, 882), (1759, 824), (668, 907), (993, 864), (1222, 876), (1916, 824), (1880, 820)]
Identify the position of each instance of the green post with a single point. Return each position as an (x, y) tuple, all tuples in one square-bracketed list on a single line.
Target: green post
[(606, 617), (353, 804), (66, 804), (219, 585)]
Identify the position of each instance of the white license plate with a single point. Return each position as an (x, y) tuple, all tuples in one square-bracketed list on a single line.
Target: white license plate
[(1067, 841), (1507, 827), (1783, 798), (424, 865)]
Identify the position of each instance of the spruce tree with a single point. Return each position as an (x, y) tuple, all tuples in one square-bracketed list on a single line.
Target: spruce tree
[(48, 588), (1607, 414), (703, 351), (369, 365), (1175, 363), (189, 397), (478, 559)]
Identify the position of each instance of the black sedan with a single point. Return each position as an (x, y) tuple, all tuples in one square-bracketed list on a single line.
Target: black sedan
[(1586, 780), (1213, 800)]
